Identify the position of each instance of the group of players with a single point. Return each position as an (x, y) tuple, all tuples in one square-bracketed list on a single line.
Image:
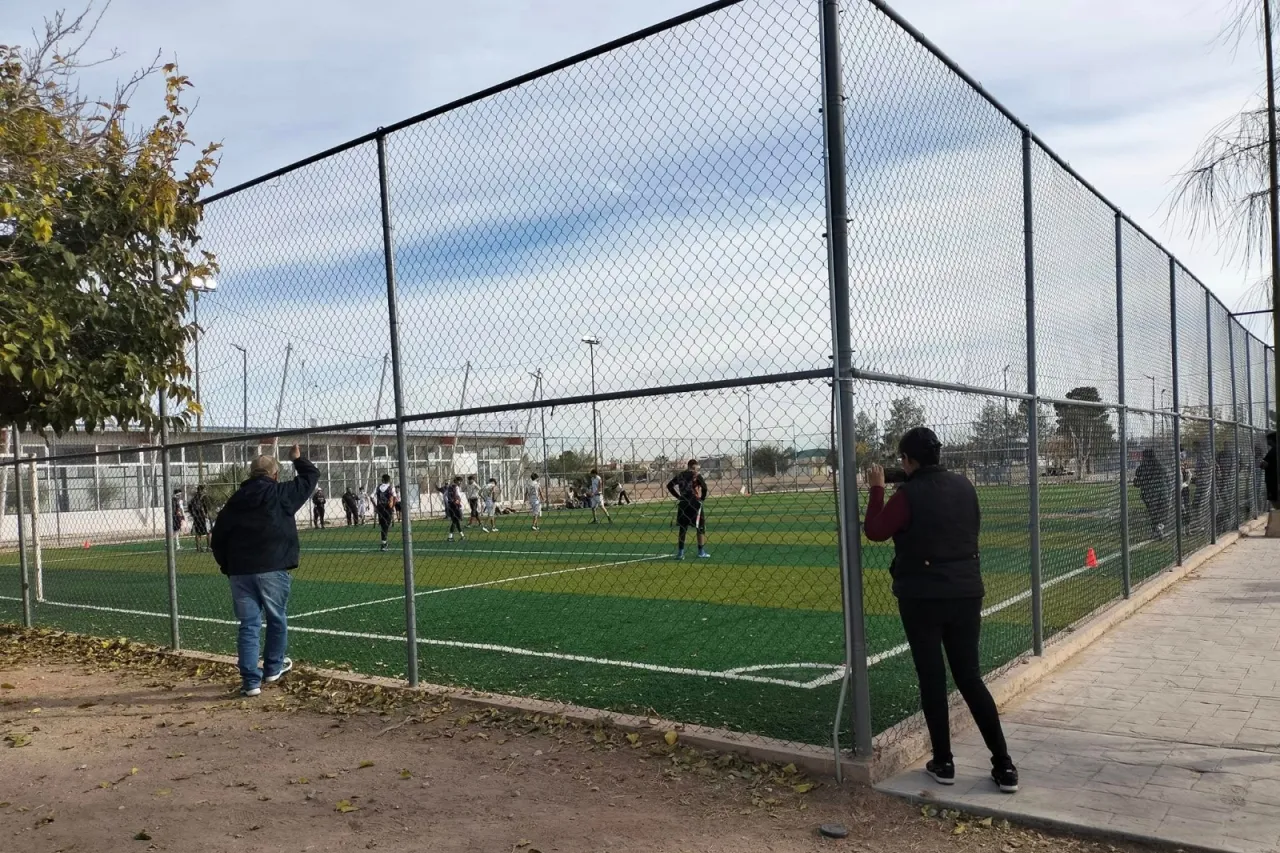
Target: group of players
[(688, 488)]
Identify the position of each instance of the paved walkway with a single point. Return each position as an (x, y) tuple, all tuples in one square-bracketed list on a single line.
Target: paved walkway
[(1167, 728)]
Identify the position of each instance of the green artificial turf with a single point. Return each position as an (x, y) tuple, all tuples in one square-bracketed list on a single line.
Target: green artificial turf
[(750, 639)]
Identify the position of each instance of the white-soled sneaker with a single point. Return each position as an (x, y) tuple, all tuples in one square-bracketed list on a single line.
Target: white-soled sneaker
[(288, 665)]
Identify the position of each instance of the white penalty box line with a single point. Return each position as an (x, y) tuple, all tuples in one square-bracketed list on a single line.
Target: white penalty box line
[(481, 584)]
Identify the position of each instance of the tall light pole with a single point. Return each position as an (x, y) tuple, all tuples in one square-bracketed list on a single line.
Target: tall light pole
[(542, 418), (593, 341), (1153, 404), (1004, 453), (199, 285), (244, 386)]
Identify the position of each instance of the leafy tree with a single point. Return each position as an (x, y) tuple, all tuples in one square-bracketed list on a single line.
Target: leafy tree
[(770, 460), (1088, 427), (570, 463), (867, 432), (999, 434), (90, 207), (904, 414)]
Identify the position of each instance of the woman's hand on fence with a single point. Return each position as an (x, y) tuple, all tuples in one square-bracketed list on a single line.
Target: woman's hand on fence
[(875, 477)]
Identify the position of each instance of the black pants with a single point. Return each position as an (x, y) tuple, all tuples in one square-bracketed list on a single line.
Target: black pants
[(384, 521), (454, 514), (934, 624)]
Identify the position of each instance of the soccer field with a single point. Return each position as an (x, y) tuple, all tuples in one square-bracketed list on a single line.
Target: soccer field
[(601, 615)]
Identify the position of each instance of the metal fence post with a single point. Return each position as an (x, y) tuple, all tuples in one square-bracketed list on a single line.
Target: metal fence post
[(170, 536), (1126, 574), (1033, 410), (1235, 477), (841, 318), (24, 569), (397, 385), (1177, 412), (1213, 422), (1253, 437)]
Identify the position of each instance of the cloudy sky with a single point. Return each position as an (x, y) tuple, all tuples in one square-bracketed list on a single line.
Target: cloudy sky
[(687, 168)]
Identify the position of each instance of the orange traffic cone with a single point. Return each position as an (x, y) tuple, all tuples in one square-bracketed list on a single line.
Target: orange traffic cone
[(1090, 559), (86, 544)]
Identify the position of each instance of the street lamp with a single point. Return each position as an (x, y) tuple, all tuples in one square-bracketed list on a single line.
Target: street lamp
[(199, 284), (593, 341), (244, 383)]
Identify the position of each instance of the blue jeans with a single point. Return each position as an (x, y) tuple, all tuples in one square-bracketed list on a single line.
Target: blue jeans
[(256, 596)]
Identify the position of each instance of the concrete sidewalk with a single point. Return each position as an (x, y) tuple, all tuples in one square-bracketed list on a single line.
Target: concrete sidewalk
[(1167, 729)]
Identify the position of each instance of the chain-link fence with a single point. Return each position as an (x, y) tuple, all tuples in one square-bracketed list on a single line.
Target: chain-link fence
[(770, 236)]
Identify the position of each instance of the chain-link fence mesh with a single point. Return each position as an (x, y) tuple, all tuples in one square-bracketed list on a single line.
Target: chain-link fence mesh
[(605, 271)]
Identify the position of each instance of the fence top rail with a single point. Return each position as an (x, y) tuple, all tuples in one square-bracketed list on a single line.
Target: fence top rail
[(514, 82), (522, 405), (925, 42)]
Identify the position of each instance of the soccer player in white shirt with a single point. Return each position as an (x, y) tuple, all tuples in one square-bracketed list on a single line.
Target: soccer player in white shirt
[(596, 494), (492, 494), (534, 498)]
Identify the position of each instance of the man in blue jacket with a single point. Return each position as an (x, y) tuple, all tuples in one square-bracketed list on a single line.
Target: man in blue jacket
[(255, 543)]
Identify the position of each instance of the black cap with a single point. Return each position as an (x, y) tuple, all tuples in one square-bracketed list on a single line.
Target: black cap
[(921, 444)]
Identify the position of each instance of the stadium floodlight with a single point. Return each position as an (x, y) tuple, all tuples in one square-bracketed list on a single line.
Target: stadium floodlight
[(593, 341), (244, 384)]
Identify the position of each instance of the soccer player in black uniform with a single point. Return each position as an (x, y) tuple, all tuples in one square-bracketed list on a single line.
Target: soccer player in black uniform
[(199, 506), (690, 490)]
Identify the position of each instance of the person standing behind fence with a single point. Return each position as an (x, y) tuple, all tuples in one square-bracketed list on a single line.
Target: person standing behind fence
[(690, 491), (384, 505), (349, 505), (453, 507), (1268, 466), (597, 498), (934, 521), (362, 506), (533, 497), (492, 494), (179, 516), (1155, 489), (255, 544), (1202, 482), (473, 501), (317, 508), (199, 508)]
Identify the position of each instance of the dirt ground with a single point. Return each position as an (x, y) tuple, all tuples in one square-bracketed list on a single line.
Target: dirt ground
[(109, 745)]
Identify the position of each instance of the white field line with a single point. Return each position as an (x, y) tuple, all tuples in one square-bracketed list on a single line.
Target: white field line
[(838, 671), (468, 551), (736, 674), (481, 584), (458, 644)]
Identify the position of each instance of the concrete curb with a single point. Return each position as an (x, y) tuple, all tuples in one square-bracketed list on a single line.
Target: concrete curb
[(906, 750), (814, 760), (1022, 819)]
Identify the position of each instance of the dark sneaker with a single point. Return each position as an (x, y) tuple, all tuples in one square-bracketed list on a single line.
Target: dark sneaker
[(1006, 778), (288, 665), (943, 772)]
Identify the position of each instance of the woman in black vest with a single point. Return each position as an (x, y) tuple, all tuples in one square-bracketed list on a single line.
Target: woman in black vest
[(934, 520)]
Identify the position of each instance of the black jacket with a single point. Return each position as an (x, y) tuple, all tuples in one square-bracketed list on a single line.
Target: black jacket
[(256, 531), (1269, 473), (936, 555)]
